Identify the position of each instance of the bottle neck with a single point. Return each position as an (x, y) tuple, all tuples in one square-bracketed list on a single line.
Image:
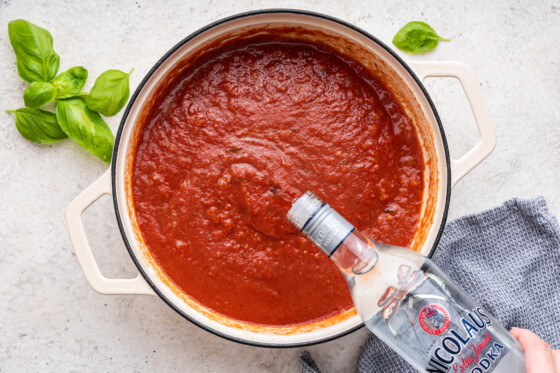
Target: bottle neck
[(353, 252), (356, 255)]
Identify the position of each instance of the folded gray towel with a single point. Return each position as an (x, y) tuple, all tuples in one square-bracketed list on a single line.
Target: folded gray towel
[(508, 260)]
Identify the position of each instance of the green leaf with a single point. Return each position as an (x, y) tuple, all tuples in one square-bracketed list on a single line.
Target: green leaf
[(36, 59), (82, 95), (417, 37), (38, 94), (109, 93), (86, 127), (38, 125), (70, 82)]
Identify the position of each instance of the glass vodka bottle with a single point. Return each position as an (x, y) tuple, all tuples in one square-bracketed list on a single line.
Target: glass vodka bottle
[(408, 302)]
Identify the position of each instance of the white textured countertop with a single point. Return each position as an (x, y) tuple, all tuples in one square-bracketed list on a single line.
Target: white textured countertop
[(50, 318)]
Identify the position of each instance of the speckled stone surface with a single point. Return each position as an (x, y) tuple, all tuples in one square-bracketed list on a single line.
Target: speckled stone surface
[(50, 318)]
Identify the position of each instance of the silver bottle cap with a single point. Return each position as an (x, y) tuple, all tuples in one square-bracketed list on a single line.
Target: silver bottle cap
[(319, 222)]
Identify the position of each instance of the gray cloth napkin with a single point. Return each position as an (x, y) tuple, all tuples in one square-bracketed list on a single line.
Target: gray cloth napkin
[(508, 260)]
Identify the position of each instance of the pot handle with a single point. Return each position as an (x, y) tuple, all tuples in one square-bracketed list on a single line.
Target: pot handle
[(460, 167), (87, 261)]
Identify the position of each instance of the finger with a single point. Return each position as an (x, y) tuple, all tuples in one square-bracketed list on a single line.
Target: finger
[(556, 357), (538, 354)]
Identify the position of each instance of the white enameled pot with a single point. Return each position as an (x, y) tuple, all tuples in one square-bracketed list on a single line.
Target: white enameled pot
[(403, 79)]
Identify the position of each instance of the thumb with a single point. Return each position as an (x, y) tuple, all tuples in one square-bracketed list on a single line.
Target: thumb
[(538, 354)]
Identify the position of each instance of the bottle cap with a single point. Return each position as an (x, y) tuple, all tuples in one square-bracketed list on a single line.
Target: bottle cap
[(303, 209)]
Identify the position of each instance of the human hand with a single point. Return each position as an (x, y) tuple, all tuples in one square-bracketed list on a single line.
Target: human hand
[(539, 356)]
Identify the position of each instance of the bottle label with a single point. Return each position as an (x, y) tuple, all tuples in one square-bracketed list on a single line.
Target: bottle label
[(434, 319), (327, 229), (469, 347)]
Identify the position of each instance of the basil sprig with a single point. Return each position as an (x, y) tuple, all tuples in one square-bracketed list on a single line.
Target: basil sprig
[(417, 37), (77, 113)]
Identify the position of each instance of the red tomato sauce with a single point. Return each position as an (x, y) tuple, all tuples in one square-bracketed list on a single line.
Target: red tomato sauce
[(235, 141)]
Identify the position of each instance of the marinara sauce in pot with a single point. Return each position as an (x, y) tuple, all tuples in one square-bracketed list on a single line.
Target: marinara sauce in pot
[(240, 135)]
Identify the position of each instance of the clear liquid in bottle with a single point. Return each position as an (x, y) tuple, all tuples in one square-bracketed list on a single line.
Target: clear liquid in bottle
[(407, 301)]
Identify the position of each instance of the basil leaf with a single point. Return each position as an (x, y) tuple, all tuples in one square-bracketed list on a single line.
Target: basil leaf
[(109, 93), (36, 59), (38, 125), (417, 37), (38, 94), (86, 127), (82, 95), (70, 82)]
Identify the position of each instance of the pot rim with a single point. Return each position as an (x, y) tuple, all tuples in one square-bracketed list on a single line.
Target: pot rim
[(170, 53)]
